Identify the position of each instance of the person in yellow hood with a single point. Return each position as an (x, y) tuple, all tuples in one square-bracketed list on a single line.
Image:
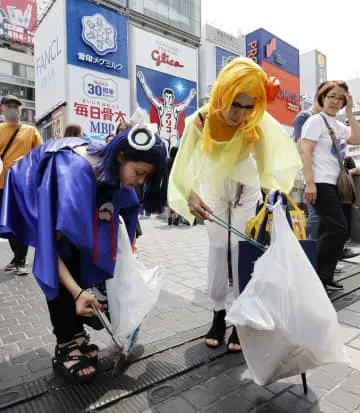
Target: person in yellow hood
[(230, 148)]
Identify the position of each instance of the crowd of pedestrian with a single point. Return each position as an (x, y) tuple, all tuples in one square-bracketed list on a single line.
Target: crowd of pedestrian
[(230, 152)]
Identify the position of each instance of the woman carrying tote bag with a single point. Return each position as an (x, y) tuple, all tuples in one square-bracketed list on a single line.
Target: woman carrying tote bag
[(323, 143)]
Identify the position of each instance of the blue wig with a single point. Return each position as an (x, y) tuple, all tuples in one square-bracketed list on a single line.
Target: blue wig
[(154, 197)]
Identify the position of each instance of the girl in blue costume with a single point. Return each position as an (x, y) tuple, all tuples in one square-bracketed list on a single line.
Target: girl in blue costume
[(64, 198)]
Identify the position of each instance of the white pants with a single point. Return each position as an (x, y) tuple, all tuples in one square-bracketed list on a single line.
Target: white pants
[(222, 198)]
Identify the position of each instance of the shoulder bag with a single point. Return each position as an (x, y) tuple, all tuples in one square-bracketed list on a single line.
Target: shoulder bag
[(345, 184)]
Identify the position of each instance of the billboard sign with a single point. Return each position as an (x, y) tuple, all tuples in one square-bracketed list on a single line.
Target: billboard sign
[(97, 102), (97, 38), (166, 75), (163, 55), (321, 68), (50, 61), (263, 46), (18, 20), (168, 100), (223, 57), (287, 103)]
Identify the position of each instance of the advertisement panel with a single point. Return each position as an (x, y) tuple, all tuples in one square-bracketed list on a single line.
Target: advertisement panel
[(166, 82), (18, 19), (97, 38), (57, 120), (50, 61), (287, 104), (163, 55), (97, 102), (262, 46), (223, 57), (321, 68), (168, 100)]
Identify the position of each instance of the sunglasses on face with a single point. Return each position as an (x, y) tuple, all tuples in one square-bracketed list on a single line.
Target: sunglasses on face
[(237, 105)]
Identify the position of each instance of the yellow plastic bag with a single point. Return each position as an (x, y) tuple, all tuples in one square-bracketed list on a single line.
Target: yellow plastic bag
[(297, 218)]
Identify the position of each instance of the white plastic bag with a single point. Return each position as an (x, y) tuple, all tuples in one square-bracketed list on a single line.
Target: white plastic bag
[(132, 292), (285, 320)]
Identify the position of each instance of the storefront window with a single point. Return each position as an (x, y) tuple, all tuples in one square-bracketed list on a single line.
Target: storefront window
[(21, 92), (27, 115), (6, 67), (30, 72), (19, 70)]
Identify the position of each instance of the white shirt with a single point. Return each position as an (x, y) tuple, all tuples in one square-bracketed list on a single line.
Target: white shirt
[(326, 168)]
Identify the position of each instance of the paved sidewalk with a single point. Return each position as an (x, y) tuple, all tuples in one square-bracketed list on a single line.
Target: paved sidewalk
[(26, 341)]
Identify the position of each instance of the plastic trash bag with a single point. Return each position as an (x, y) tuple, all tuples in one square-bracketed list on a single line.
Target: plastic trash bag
[(285, 320), (131, 293)]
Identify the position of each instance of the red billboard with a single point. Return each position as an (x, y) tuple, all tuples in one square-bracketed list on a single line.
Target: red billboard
[(287, 103), (18, 19)]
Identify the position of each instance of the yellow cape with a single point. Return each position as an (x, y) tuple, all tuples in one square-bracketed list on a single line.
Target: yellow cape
[(275, 153)]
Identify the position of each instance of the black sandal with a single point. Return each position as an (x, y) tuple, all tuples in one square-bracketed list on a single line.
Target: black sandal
[(62, 356), (87, 348), (233, 339), (218, 328)]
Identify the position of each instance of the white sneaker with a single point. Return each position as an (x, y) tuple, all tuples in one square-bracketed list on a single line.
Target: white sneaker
[(22, 269)]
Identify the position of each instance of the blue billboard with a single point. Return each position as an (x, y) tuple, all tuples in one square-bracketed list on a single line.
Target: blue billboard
[(223, 57), (168, 100), (97, 38), (262, 45)]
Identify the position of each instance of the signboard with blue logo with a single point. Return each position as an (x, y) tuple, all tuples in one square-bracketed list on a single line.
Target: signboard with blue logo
[(223, 57), (262, 45), (97, 38)]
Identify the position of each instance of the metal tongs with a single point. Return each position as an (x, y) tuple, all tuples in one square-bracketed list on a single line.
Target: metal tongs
[(219, 221), (120, 356)]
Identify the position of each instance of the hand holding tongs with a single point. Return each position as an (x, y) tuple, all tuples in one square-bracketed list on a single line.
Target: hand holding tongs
[(219, 221)]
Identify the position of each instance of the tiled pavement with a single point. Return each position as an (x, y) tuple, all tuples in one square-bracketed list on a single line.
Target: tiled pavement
[(26, 342)]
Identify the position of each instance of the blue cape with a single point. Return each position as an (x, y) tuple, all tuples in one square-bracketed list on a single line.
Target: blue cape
[(54, 189)]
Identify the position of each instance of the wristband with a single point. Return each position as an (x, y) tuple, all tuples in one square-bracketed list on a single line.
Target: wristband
[(79, 295)]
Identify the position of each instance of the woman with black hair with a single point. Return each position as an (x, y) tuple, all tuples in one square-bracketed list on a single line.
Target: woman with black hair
[(67, 208)]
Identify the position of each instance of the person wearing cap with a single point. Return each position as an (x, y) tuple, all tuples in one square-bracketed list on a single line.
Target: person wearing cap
[(25, 138)]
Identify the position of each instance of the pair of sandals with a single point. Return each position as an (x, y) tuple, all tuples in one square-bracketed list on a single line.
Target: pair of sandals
[(215, 336), (85, 359)]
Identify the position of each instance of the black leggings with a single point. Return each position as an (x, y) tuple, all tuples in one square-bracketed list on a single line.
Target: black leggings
[(62, 309)]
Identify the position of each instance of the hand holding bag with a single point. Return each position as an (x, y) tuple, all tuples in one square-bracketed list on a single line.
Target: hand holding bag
[(345, 184)]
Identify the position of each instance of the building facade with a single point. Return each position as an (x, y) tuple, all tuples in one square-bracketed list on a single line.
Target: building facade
[(313, 71), (149, 58), (17, 74)]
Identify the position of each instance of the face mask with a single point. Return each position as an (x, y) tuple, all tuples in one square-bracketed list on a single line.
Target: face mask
[(12, 114)]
